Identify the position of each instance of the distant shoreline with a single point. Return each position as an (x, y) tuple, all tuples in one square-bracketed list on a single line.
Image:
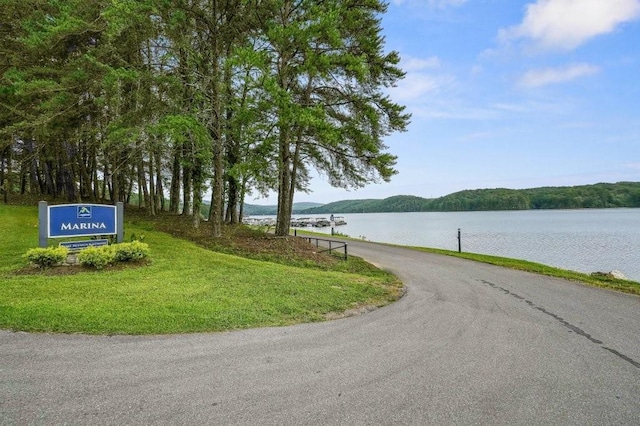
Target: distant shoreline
[(597, 196)]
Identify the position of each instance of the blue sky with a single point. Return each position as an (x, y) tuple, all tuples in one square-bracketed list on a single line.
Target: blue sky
[(510, 94)]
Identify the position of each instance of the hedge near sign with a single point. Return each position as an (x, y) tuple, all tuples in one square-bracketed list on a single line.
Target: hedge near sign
[(79, 220)]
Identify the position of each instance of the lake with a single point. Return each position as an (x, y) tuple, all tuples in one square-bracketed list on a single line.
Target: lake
[(585, 240)]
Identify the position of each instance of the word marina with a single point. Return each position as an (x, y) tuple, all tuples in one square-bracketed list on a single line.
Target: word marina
[(82, 226)]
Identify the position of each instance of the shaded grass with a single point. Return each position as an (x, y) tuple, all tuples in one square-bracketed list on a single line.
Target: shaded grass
[(186, 288), (239, 240)]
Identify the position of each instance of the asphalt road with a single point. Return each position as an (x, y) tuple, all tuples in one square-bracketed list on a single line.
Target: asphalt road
[(468, 344)]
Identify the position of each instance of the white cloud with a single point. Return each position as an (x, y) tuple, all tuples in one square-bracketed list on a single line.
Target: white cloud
[(432, 3), (478, 136), (415, 85), (543, 77), (511, 108), (566, 24), (442, 110), (477, 70), (410, 64), (445, 3), (423, 76)]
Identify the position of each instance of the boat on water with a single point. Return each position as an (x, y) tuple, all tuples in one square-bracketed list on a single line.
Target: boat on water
[(322, 222), (259, 221), (303, 222), (317, 222), (339, 220)]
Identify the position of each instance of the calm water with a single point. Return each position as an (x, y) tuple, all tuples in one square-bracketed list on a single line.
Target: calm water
[(580, 240)]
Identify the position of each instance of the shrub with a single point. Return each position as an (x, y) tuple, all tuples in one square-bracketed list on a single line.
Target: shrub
[(97, 257), (133, 251), (139, 238), (47, 257)]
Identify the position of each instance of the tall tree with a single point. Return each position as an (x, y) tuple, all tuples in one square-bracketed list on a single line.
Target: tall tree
[(52, 74), (327, 73), (106, 98)]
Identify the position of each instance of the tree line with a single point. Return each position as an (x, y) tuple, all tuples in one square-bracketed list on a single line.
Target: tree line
[(602, 195), (162, 101)]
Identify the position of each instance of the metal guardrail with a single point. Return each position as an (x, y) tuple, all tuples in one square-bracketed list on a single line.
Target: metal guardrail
[(328, 245)]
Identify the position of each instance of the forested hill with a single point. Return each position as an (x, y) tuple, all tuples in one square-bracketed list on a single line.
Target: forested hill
[(601, 195), (253, 209)]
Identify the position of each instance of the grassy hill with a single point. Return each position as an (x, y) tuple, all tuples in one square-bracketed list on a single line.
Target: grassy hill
[(256, 210), (193, 284), (602, 195)]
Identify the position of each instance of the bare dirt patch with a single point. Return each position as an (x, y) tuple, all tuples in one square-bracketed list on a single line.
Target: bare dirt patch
[(74, 269)]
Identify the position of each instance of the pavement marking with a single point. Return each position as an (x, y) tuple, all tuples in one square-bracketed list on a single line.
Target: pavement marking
[(565, 323)]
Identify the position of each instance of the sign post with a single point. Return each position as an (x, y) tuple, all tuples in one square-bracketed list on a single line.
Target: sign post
[(43, 221), (119, 222)]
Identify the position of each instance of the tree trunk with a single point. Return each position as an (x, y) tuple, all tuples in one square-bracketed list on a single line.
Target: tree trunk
[(232, 148), (187, 191), (217, 202), (174, 194), (197, 193), (5, 173), (294, 173), (152, 186), (283, 221), (159, 187)]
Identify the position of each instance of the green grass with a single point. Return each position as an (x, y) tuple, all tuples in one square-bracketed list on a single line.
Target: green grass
[(187, 288), (184, 289), (625, 286), (19, 230)]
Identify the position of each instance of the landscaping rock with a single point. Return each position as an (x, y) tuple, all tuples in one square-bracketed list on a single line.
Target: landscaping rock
[(612, 274)]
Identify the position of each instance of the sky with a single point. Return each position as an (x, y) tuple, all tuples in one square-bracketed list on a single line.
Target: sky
[(509, 94)]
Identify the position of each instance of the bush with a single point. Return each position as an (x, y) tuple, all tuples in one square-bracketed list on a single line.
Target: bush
[(94, 257), (133, 251), (97, 257), (47, 257)]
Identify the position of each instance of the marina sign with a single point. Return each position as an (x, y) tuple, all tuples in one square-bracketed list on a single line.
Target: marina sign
[(72, 220), (79, 220)]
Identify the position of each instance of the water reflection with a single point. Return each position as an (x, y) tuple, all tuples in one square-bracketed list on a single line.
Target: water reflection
[(580, 240)]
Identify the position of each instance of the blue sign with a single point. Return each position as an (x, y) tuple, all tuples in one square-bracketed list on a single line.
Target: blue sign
[(74, 220)]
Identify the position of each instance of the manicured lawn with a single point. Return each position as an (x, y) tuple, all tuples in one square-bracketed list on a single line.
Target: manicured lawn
[(184, 289)]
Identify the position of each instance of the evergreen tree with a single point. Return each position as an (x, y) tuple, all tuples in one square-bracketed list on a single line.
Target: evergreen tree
[(100, 100), (326, 72)]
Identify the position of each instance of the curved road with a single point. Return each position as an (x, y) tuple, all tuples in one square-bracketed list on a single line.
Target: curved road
[(469, 344)]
